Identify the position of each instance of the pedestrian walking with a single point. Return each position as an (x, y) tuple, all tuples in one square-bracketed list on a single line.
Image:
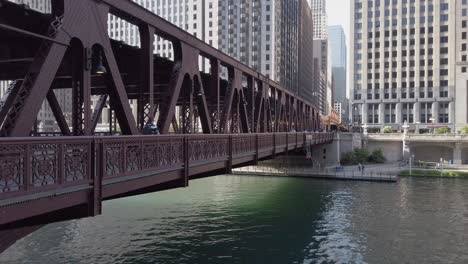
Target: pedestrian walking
[(362, 168), (359, 167)]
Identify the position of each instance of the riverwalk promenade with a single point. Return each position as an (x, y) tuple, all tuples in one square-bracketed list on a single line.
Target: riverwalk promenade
[(382, 173)]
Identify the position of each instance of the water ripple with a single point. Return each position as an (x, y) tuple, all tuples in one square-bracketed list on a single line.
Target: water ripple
[(230, 219)]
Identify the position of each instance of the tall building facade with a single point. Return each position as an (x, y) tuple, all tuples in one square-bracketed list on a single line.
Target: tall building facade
[(338, 49), (409, 63), (268, 36), (323, 82), (306, 52), (262, 34), (198, 17), (321, 76), (250, 31), (319, 15)]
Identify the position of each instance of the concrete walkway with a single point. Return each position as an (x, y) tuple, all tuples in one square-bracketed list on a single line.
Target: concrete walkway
[(373, 173)]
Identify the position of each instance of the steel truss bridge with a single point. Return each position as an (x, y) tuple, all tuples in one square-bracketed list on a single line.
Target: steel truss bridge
[(210, 120)]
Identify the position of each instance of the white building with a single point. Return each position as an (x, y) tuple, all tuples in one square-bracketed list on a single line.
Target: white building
[(319, 16), (338, 110), (409, 63), (43, 6)]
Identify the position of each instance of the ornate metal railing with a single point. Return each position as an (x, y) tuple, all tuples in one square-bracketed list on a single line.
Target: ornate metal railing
[(33, 165)]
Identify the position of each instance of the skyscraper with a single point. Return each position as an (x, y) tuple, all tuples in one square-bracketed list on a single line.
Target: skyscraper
[(319, 15), (262, 34), (268, 36), (337, 43), (409, 63)]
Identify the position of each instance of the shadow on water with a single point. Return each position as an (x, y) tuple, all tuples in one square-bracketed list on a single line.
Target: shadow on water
[(239, 219), (224, 219)]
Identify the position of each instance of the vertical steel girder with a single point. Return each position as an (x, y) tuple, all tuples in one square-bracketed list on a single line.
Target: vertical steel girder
[(147, 76)]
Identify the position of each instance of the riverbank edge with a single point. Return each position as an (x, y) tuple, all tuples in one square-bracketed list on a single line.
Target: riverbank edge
[(435, 174)]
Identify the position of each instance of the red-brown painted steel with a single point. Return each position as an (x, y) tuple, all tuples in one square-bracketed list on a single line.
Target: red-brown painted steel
[(78, 35)]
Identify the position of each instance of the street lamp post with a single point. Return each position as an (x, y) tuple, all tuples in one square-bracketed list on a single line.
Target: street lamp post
[(431, 120)]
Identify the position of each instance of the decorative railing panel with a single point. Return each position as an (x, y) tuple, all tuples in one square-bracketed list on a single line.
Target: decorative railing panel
[(130, 155), (242, 144), (280, 139), (28, 166), (208, 147), (265, 141)]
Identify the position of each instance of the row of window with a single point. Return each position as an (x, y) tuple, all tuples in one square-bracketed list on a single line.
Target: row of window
[(407, 113), (377, 3)]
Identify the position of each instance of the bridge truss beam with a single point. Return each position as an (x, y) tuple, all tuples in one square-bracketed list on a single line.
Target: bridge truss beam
[(46, 53)]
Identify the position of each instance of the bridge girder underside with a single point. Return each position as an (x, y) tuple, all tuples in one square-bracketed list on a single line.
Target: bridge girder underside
[(44, 53)]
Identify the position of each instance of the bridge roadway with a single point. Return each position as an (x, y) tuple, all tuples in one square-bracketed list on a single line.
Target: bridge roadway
[(44, 180)]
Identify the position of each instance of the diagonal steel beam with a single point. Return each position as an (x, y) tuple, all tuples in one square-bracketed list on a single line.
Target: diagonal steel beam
[(259, 101), (101, 103), (169, 100), (244, 115), (119, 96), (57, 111), (202, 105), (34, 89), (235, 83)]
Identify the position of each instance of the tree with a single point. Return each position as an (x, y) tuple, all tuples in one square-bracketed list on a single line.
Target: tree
[(377, 156), (464, 130), (361, 155), (442, 130), (387, 130)]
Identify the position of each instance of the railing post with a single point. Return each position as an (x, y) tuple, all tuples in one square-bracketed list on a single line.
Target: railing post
[(256, 149), (274, 146), (287, 143), (61, 165), (97, 172), (229, 162), (186, 174), (28, 170), (297, 143)]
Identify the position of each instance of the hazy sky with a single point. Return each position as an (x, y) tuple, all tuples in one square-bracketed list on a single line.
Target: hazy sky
[(338, 14)]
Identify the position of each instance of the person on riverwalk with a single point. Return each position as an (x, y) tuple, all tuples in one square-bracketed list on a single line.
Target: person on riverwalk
[(362, 168), (359, 167)]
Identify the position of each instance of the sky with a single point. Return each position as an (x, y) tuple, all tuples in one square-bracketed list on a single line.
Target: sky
[(338, 12)]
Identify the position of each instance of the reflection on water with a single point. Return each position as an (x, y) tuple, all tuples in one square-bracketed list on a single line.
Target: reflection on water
[(229, 219)]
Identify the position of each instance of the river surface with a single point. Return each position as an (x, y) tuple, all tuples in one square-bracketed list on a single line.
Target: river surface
[(242, 219)]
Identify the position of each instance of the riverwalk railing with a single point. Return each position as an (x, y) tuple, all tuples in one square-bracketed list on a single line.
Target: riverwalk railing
[(317, 172)]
